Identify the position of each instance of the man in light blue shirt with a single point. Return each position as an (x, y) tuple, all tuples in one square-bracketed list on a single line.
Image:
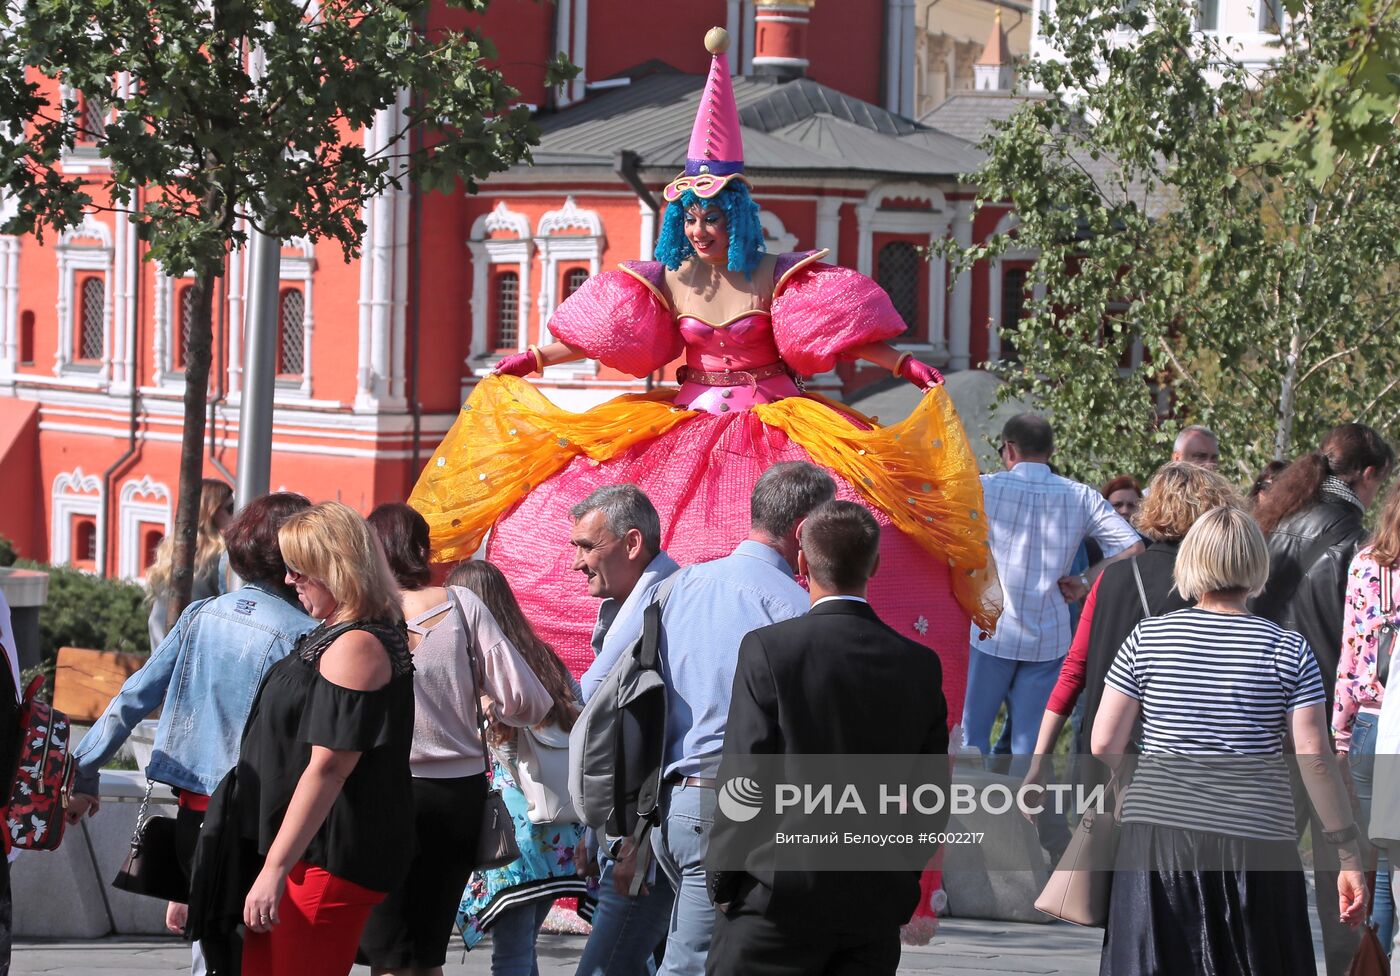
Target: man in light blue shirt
[(710, 609), (617, 546)]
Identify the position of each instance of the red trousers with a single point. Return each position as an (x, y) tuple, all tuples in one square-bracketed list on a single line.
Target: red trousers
[(321, 920)]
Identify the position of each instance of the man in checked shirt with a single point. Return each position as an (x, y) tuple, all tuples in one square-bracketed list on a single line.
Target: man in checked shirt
[(1036, 522)]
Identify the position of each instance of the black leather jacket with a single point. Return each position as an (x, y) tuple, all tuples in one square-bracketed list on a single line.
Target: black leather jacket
[(1310, 553)]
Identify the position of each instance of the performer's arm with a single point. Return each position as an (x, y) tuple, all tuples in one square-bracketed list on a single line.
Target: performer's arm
[(901, 364), (536, 358)]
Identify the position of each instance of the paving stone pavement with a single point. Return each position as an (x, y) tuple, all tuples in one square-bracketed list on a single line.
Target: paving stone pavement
[(961, 948)]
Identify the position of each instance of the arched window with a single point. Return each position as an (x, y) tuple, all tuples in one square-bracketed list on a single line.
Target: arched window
[(574, 279), (506, 310), (897, 271), (291, 332), (92, 120), (92, 295), (184, 316), (84, 553), (1013, 305)]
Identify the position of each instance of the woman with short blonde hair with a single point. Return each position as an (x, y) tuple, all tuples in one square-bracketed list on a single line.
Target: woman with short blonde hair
[(323, 793), (1213, 682)]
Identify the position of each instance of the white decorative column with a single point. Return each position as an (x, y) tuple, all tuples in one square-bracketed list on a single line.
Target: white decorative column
[(938, 306), (829, 227), (383, 291), (578, 88), (235, 321), (960, 324)]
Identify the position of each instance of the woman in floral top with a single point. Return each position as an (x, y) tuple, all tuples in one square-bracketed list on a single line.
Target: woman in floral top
[(1360, 691)]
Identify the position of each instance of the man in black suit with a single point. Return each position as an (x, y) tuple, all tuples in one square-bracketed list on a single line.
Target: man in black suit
[(835, 681)]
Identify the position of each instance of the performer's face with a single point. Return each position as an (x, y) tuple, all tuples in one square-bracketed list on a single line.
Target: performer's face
[(606, 559), (708, 233)]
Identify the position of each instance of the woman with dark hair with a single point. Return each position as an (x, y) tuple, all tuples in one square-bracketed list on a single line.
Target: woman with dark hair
[(512, 902), (203, 676), (1264, 480), (1313, 515), (407, 933), (1373, 593)]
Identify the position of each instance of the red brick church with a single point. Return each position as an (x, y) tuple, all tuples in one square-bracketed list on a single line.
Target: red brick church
[(377, 355)]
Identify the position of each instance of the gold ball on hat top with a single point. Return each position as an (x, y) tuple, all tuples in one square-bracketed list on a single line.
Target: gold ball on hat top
[(717, 40)]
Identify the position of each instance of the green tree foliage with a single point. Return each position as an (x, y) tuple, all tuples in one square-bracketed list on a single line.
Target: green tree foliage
[(216, 110), (1349, 106), (87, 611), (1187, 274)]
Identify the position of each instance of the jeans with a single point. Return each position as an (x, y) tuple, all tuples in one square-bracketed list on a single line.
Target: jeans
[(1025, 686), (513, 937), (626, 931), (1362, 760), (687, 814)]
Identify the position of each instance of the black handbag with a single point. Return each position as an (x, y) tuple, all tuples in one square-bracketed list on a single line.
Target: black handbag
[(152, 866), (495, 844)]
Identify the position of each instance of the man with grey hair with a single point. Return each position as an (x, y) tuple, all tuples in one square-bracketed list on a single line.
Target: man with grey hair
[(1197, 445), (711, 608), (617, 546)]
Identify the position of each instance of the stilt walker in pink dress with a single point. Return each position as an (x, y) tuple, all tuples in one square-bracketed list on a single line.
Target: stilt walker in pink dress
[(750, 325)]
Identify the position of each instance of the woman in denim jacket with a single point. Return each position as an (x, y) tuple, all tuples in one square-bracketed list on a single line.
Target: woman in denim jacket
[(203, 677)]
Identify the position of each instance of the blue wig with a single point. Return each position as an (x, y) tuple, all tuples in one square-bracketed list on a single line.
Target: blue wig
[(740, 219)]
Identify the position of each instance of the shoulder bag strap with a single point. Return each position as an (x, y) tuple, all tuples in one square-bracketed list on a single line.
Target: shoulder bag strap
[(1142, 590), (477, 674), (650, 654)]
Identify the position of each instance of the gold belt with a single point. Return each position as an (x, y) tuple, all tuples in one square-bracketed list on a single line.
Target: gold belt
[(731, 377)]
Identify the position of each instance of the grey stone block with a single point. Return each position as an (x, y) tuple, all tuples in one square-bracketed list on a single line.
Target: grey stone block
[(999, 878), (68, 893)]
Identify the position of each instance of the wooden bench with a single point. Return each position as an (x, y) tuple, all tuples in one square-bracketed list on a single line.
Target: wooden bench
[(86, 681)]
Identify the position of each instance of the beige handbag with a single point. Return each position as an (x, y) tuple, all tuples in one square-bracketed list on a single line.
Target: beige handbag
[(1079, 886)]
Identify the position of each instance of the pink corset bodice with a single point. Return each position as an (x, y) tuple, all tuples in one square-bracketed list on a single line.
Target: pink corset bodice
[(745, 342)]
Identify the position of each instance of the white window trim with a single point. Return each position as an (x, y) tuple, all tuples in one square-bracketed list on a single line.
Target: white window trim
[(930, 225), (73, 258), (141, 502), (1007, 225), (82, 158), (299, 268), (557, 246), (76, 493), (165, 372), (9, 301), (486, 253)]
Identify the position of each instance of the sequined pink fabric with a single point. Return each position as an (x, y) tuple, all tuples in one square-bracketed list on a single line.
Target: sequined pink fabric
[(825, 311), (699, 476), (742, 344)]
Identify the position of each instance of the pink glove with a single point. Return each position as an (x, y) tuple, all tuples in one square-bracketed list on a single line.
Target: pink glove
[(920, 374), (520, 364)]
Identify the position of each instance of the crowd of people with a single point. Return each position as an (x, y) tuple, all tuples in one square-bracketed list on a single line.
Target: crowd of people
[(354, 740), (332, 724)]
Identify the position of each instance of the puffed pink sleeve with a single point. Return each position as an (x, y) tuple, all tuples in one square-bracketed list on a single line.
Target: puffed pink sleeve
[(821, 312), (620, 319)]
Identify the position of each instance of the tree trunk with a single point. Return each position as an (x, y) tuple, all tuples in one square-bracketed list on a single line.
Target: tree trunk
[(197, 356)]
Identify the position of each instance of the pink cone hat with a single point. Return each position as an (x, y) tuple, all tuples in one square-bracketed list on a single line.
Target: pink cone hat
[(716, 153)]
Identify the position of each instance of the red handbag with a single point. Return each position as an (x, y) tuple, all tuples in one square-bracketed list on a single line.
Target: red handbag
[(43, 777)]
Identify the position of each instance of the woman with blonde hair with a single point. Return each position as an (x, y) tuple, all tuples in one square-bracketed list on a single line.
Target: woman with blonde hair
[(317, 813), (1179, 493), (210, 572), (1207, 877)]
